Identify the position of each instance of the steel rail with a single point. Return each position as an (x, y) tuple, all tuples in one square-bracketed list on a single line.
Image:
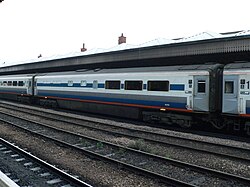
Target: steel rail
[(120, 164), (67, 177), (179, 163), (148, 135)]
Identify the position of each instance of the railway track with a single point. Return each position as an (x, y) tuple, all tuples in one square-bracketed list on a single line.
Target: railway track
[(165, 169), (27, 170), (225, 151)]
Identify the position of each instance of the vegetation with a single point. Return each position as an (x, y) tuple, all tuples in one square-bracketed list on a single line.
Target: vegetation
[(99, 145)]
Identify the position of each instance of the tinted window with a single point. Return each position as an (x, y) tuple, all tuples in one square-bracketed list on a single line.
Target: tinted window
[(229, 87), (20, 83), (201, 86), (9, 83), (133, 85), (14, 83), (158, 86), (113, 85), (242, 81)]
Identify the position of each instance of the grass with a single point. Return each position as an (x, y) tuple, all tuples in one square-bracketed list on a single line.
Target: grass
[(99, 145)]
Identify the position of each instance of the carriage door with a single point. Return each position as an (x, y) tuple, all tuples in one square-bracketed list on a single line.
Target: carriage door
[(201, 93), (34, 85), (230, 94), (29, 87)]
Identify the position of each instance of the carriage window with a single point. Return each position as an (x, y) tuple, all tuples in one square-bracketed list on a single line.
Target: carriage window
[(242, 83), (158, 86), (14, 83), (70, 83), (190, 82), (4, 83), (133, 85), (9, 83), (113, 85), (83, 83), (95, 84), (229, 87), (20, 83), (201, 86)]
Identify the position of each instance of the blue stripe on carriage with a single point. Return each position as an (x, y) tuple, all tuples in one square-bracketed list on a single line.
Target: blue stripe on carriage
[(118, 100), (177, 87), (14, 91), (101, 85), (88, 85)]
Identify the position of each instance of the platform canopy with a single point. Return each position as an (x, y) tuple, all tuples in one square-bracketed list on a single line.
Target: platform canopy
[(205, 47)]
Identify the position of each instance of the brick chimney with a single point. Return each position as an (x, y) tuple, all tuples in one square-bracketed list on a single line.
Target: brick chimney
[(83, 48), (121, 39)]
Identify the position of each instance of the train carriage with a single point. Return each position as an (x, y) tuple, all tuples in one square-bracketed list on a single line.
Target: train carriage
[(183, 95), (16, 86), (236, 96), (154, 93)]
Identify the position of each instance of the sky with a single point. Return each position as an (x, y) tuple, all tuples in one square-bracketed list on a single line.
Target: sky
[(48, 27)]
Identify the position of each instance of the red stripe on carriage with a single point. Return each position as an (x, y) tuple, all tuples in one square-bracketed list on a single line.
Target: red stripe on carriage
[(121, 104)]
